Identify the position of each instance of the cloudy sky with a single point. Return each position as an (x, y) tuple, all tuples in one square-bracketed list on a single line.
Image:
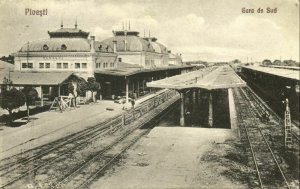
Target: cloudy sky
[(214, 30)]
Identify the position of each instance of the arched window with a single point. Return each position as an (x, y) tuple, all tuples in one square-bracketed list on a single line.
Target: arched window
[(63, 47), (45, 47)]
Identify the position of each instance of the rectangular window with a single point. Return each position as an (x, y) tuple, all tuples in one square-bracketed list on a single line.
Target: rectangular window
[(30, 65), (84, 65), (66, 65), (77, 65), (47, 65), (120, 59), (41, 65), (24, 65), (58, 65)]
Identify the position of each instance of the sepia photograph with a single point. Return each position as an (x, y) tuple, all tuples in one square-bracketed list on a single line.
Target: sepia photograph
[(149, 94)]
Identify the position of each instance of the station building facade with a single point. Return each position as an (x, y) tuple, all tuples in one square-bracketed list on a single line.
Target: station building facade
[(67, 50), (122, 63)]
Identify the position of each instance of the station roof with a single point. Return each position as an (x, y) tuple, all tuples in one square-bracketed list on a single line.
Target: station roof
[(209, 78), (37, 78), (6, 65), (135, 69), (286, 73)]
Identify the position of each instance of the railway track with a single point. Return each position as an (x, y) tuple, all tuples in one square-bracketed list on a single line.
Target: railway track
[(81, 137), (262, 107), (18, 170), (268, 169), (86, 173)]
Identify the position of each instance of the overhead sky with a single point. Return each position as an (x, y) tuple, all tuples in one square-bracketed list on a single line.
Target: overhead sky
[(214, 30)]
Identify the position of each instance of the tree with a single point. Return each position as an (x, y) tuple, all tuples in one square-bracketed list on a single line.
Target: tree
[(236, 61), (277, 62), (289, 63), (82, 87), (11, 99), (31, 96), (266, 62), (93, 86)]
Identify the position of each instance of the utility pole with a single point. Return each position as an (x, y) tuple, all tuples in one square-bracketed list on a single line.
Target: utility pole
[(287, 126)]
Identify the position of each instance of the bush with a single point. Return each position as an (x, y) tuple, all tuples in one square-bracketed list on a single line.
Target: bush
[(12, 99)]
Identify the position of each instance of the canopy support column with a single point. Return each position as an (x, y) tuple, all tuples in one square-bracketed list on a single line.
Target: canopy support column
[(126, 89), (58, 90), (42, 96), (210, 110), (138, 89), (182, 108)]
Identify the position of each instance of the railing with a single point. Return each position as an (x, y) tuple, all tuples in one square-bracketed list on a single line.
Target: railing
[(142, 109)]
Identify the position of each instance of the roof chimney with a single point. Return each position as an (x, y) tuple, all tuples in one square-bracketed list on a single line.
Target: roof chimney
[(92, 44), (61, 24)]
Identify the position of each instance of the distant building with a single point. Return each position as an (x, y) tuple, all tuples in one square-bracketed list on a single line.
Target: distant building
[(67, 49), (174, 59)]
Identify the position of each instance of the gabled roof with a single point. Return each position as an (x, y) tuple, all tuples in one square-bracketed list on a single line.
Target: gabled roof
[(37, 78), (128, 65)]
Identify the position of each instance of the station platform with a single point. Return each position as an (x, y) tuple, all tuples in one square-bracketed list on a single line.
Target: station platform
[(173, 157), (49, 126)]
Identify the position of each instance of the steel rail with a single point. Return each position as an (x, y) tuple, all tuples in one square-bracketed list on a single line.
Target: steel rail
[(77, 136), (99, 154), (89, 131), (250, 143), (92, 177), (296, 136), (265, 141)]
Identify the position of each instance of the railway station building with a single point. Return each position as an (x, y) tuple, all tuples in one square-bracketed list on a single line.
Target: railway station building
[(122, 63)]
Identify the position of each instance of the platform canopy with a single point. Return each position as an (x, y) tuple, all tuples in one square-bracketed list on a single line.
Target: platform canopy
[(292, 74), (208, 78), (19, 78)]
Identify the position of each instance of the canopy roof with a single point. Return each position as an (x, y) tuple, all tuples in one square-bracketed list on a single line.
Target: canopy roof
[(286, 73), (37, 78), (125, 69), (209, 78), (6, 65)]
